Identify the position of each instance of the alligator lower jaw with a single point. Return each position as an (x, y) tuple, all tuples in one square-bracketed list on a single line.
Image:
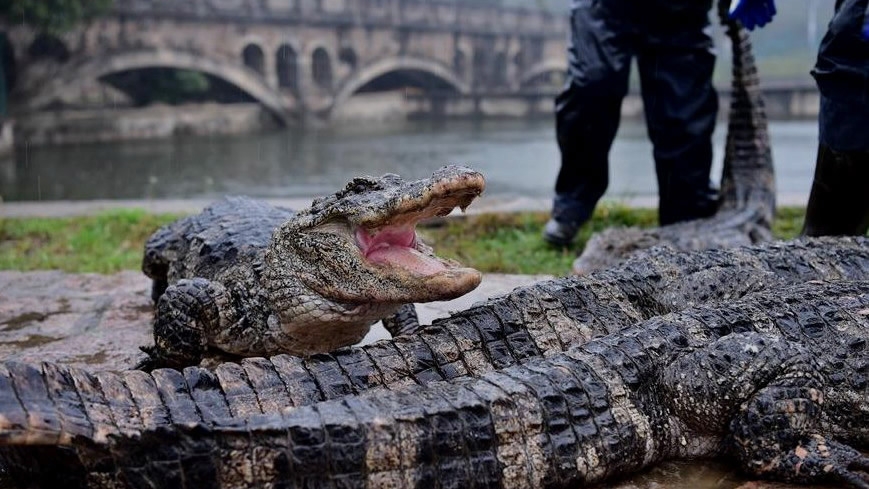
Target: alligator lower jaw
[(450, 284), (388, 242), (396, 250), (397, 246)]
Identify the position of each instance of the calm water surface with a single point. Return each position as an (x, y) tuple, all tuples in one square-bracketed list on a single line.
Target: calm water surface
[(517, 157)]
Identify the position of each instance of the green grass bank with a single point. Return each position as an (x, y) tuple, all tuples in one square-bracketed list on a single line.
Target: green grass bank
[(501, 243)]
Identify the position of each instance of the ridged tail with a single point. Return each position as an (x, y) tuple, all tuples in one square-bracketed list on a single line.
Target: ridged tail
[(748, 178)]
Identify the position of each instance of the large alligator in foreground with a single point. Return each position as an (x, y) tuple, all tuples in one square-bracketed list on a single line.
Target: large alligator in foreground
[(747, 201), (776, 380), (535, 321), (250, 279)]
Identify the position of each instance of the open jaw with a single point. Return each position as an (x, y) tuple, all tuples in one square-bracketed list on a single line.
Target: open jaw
[(392, 244), (397, 246), (396, 251)]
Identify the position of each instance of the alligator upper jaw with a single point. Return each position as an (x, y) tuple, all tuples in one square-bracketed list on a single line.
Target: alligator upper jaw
[(424, 199)]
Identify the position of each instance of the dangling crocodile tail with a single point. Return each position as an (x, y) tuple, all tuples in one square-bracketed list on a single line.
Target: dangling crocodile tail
[(747, 177)]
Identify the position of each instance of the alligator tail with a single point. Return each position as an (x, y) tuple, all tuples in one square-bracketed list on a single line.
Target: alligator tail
[(747, 177)]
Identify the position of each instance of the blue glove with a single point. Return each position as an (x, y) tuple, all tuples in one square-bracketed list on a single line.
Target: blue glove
[(752, 13)]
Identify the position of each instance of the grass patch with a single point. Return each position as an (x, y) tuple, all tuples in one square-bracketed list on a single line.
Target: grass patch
[(512, 243), (502, 243), (104, 243)]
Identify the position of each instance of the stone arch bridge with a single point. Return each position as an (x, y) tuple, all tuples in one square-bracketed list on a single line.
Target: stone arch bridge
[(300, 58)]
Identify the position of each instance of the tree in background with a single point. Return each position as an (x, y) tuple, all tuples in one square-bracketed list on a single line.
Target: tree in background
[(52, 16), (44, 16)]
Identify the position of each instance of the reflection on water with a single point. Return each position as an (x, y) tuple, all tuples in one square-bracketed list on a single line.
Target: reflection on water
[(517, 157)]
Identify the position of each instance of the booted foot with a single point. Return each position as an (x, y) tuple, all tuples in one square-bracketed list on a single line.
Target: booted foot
[(558, 233)]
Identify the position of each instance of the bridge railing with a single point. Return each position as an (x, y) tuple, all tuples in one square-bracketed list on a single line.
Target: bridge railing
[(451, 15)]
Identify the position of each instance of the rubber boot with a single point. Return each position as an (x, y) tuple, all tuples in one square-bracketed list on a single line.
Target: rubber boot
[(839, 200)]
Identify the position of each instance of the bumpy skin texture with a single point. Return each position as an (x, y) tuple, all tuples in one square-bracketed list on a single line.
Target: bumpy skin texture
[(747, 180), (776, 380), (249, 279), (532, 322)]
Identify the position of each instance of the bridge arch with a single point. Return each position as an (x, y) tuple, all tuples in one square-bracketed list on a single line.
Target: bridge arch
[(47, 46), (232, 72), (254, 58), (321, 68), (539, 69), (384, 66), (287, 67)]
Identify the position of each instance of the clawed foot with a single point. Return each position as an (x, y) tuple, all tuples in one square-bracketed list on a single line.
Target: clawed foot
[(822, 459), (156, 359), (855, 471)]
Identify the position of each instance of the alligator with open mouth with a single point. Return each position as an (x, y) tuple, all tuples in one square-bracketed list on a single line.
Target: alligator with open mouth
[(249, 279)]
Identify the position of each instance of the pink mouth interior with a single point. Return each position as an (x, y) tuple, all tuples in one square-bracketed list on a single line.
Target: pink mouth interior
[(396, 246)]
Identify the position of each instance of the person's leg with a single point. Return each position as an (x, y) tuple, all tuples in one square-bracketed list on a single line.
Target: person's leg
[(839, 199), (587, 113), (675, 65)]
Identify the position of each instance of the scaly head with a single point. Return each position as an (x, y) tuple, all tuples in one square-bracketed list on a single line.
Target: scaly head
[(359, 250)]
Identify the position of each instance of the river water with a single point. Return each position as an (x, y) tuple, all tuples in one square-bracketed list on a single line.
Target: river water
[(519, 158)]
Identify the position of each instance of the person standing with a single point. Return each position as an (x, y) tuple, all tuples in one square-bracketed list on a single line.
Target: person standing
[(839, 199), (672, 42)]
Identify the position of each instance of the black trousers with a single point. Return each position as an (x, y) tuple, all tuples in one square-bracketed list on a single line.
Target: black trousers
[(842, 75), (673, 47)]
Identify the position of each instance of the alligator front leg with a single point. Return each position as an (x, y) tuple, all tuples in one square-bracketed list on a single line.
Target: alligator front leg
[(772, 391), (186, 313), (777, 435), (403, 322)]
